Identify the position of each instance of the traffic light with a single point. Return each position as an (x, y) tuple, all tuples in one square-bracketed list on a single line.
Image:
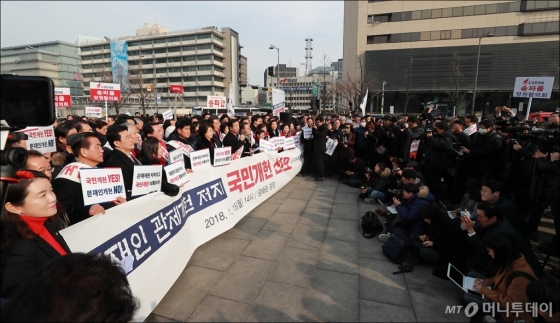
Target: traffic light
[(271, 71)]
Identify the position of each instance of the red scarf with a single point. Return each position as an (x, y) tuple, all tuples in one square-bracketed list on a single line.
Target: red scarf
[(37, 226)]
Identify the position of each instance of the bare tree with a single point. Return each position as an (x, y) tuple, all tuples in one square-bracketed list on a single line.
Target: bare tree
[(353, 89), (140, 88), (455, 92), (327, 91), (409, 80), (104, 75)]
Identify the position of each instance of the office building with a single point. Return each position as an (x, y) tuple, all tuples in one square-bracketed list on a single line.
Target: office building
[(204, 61), (55, 59), (284, 72), (243, 69), (428, 50)]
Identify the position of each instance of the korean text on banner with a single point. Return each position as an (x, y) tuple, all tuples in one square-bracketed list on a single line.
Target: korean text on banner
[(289, 143), (238, 153), (94, 112), (162, 232), (179, 145), (173, 89), (101, 185), (331, 146), (146, 179), (200, 160), (278, 101), (167, 114), (222, 156), (266, 145), (307, 133), (296, 138), (277, 141), (215, 102), (104, 92), (62, 98), (533, 87), (176, 155), (41, 139), (176, 174)]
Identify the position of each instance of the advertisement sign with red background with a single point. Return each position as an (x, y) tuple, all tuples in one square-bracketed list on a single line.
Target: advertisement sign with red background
[(62, 98), (175, 89), (104, 92)]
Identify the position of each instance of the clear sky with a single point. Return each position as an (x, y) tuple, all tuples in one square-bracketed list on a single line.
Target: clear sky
[(285, 24)]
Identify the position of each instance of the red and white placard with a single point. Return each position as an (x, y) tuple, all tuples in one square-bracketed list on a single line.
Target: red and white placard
[(62, 98), (104, 92), (173, 88), (213, 101)]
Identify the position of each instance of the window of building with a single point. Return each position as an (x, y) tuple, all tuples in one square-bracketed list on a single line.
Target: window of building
[(445, 34), (511, 31), (539, 28), (188, 48), (173, 39), (202, 36), (202, 47), (205, 78), (396, 16), (132, 43), (458, 11), (107, 65), (97, 56), (174, 69), (218, 38), (427, 14), (204, 88), (174, 59), (146, 42), (489, 30), (480, 9), (175, 79), (147, 61), (515, 6), (97, 47), (161, 60), (554, 4), (466, 33), (204, 57), (382, 39), (146, 52), (160, 41), (160, 50), (86, 67), (106, 55), (468, 11), (416, 15), (86, 58), (189, 37), (98, 66), (436, 13), (189, 58), (405, 37), (218, 59), (500, 31), (148, 71), (446, 12), (425, 35), (133, 53), (491, 8), (107, 46), (205, 67), (86, 49), (173, 49), (395, 38), (218, 49), (456, 34), (218, 69), (88, 75), (190, 79), (162, 80), (161, 70), (407, 15), (189, 68), (415, 36), (435, 35), (552, 27)]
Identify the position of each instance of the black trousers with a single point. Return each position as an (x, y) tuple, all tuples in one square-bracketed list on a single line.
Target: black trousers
[(319, 161)]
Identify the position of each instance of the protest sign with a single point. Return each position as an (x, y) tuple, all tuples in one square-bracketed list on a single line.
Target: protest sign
[(238, 153), (146, 179), (222, 156), (266, 145), (100, 185), (176, 174), (533, 87), (41, 139), (307, 133), (200, 160), (331, 146), (176, 155), (104, 92), (62, 98), (296, 138), (168, 115), (179, 145), (162, 232), (278, 142), (93, 112)]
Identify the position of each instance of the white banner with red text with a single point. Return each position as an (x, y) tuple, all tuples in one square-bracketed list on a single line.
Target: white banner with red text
[(161, 232)]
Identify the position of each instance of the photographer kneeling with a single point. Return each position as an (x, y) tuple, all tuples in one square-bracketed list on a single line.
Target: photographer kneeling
[(408, 218), (378, 183)]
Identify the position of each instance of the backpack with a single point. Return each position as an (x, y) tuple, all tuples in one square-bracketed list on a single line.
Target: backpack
[(370, 225), (396, 248)]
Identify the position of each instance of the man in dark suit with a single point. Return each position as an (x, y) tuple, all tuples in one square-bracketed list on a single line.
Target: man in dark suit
[(121, 141), (233, 139), (320, 131)]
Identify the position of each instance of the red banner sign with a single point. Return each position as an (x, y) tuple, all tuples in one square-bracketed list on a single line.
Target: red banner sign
[(175, 89), (62, 98), (104, 92)]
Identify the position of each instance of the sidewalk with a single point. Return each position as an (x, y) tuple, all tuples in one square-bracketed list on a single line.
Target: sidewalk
[(300, 256)]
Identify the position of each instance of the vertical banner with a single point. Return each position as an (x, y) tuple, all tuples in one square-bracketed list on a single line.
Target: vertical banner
[(278, 101), (119, 64), (230, 102), (363, 104), (62, 98)]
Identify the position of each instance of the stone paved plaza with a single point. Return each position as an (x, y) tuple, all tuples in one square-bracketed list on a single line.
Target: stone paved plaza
[(300, 256)]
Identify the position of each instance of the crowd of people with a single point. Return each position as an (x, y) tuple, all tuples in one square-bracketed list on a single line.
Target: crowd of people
[(495, 176)]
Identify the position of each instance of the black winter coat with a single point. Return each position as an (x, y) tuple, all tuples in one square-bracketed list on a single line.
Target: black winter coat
[(440, 152), (119, 159), (231, 140), (320, 139)]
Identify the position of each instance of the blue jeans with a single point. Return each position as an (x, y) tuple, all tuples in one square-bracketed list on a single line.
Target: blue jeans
[(376, 195)]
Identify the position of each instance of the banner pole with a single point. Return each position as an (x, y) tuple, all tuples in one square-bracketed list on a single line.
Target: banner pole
[(175, 110), (528, 109), (106, 112)]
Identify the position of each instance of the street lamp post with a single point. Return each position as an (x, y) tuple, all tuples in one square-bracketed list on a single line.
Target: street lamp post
[(383, 96), (488, 34), (277, 66)]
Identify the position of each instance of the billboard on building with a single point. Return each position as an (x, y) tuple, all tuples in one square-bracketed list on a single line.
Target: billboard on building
[(119, 64)]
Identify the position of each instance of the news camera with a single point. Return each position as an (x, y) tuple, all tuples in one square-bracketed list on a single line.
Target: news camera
[(27, 101)]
